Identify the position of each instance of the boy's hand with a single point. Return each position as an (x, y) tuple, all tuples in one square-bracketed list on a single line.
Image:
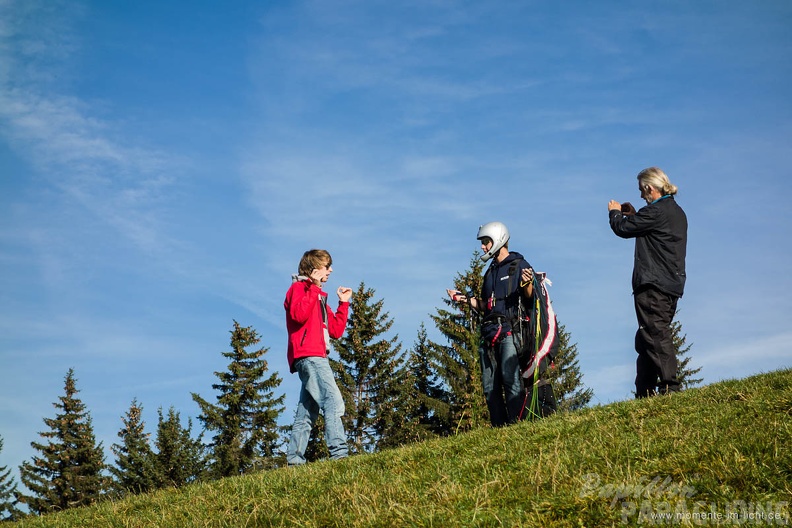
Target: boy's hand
[(318, 276), (344, 293)]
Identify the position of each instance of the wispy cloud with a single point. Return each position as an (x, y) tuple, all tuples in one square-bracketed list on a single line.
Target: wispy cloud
[(84, 157), (121, 186)]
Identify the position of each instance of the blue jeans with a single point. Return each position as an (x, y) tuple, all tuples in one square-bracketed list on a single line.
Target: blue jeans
[(319, 391), (500, 378)]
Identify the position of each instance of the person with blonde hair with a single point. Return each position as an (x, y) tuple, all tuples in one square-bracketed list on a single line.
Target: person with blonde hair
[(311, 323), (657, 179), (658, 279)]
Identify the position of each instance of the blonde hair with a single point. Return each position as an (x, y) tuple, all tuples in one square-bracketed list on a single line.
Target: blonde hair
[(656, 178), (314, 259)]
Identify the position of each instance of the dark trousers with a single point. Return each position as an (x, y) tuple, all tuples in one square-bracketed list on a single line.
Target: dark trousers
[(657, 362)]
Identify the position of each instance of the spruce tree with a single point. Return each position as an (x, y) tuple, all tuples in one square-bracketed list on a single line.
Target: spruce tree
[(566, 376), (135, 469), (68, 473), (684, 373), (245, 417), (180, 458), (429, 411), (367, 371), (457, 364), (396, 404), (8, 492), (317, 447)]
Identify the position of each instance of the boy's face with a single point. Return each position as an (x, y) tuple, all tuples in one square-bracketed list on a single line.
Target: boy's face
[(325, 270), (486, 244)]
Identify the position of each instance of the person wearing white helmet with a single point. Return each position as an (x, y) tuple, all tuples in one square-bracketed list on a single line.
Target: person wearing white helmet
[(508, 277)]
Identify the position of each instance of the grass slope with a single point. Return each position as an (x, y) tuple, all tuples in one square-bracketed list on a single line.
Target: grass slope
[(703, 454)]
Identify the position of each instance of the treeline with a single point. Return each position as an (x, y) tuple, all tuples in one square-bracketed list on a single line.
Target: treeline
[(393, 397)]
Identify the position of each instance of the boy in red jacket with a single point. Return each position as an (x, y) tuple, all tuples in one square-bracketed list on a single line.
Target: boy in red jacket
[(311, 323)]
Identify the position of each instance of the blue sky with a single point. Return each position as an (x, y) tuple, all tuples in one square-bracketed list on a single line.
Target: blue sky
[(164, 165)]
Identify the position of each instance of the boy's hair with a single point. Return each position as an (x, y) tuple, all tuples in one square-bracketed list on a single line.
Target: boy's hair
[(314, 259)]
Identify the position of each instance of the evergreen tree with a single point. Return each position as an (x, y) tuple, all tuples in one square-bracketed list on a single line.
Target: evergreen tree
[(69, 472), (135, 470), (245, 417), (396, 404), (566, 377), (8, 492), (429, 411), (180, 458), (368, 373), (317, 447), (458, 365), (684, 373)]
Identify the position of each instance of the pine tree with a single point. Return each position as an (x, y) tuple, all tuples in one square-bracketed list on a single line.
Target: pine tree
[(180, 458), (566, 376), (246, 414), (458, 365), (396, 404), (684, 373), (69, 472), (317, 447), (135, 469), (368, 373), (8, 492), (429, 411)]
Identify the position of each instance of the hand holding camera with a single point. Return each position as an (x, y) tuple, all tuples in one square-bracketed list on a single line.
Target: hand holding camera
[(626, 208)]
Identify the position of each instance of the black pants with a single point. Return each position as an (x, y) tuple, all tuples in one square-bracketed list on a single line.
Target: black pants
[(657, 362)]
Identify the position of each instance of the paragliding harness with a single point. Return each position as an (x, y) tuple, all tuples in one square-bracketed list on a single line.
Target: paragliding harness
[(536, 337)]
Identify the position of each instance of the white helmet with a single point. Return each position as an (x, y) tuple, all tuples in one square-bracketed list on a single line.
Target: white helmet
[(496, 232)]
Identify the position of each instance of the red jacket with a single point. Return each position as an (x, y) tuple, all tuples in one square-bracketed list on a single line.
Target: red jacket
[(304, 321)]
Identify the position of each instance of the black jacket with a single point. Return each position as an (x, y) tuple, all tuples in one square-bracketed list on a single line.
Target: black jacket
[(500, 290), (660, 232)]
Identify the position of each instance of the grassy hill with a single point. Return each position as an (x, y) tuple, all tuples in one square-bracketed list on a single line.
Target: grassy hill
[(704, 456)]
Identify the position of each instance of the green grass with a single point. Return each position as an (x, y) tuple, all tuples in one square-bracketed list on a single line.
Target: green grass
[(713, 449)]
